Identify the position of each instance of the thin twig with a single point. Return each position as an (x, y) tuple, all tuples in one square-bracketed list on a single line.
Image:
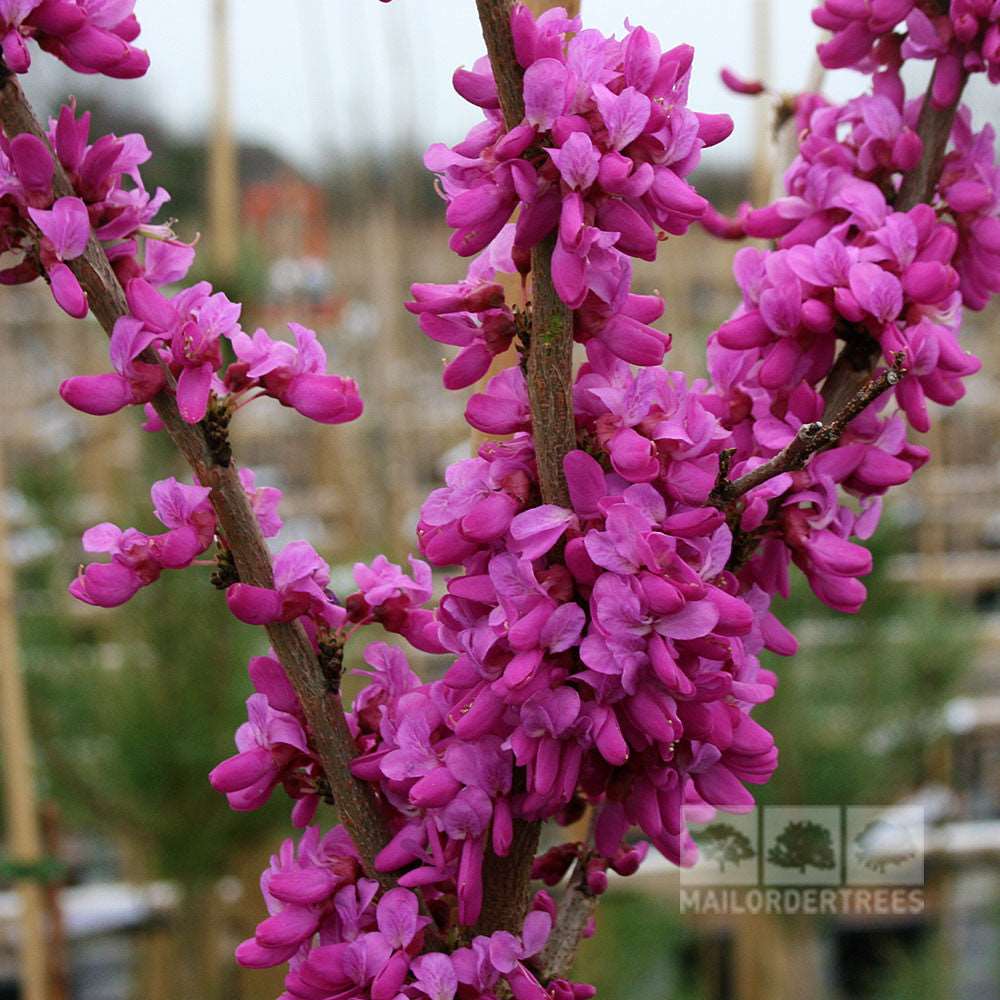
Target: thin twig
[(575, 910), (331, 738), (810, 439), (549, 374)]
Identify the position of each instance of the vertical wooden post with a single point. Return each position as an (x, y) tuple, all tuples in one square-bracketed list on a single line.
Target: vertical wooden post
[(20, 806), (57, 954), (763, 154), (223, 172)]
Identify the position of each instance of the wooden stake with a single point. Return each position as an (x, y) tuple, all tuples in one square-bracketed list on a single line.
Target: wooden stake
[(763, 155), (23, 834), (223, 171)]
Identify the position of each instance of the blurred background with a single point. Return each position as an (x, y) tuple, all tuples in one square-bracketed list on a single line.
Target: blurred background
[(294, 142)]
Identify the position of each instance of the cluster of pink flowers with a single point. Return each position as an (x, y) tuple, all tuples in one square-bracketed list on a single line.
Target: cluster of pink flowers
[(599, 163), (173, 343), (110, 200), (89, 36), (374, 946), (604, 655), (176, 344), (849, 266), (962, 37), (137, 559)]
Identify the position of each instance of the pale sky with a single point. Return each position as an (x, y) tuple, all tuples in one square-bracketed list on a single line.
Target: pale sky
[(329, 75)]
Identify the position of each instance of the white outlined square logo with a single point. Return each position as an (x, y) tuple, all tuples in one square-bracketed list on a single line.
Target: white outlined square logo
[(728, 851), (884, 846), (801, 845)]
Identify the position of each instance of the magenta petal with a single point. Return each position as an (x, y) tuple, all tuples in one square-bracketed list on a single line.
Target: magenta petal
[(327, 399), (67, 292), (302, 885), (435, 789), (476, 88), (252, 955), (241, 770), (32, 162), (545, 85), (535, 531), (176, 549), (254, 605), (148, 305), (469, 885), (106, 585), (721, 788), (95, 48), (490, 517), (634, 342), (193, 388), (738, 85), (67, 225), (291, 925), (569, 276), (471, 364), (167, 261), (15, 52), (676, 194), (97, 394), (585, 479)]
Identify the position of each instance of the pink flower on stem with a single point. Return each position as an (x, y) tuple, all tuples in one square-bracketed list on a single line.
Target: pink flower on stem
[(66, 230), (269, 743), (133, 383), (295, 376), (301, 578), (138, 559)]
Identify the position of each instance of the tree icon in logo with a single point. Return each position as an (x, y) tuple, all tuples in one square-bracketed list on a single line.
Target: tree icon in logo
[(882, 844), (724, 844), (803, 844)]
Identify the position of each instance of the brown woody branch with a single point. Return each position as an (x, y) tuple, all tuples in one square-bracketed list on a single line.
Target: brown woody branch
[(855, 362), (494, 16), (331, 738), (549, 367), (810, 439), (549, 375), (576, 908)]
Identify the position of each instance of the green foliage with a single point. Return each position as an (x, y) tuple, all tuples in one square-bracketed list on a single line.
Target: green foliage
[(858, 708), (641, 951)]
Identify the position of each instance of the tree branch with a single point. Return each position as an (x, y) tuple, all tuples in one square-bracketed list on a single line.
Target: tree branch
[(550, 377), (550, 351), (494, 16), (575, 910), (810, 439), (854, 364), (549, 374), (324, 712)]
